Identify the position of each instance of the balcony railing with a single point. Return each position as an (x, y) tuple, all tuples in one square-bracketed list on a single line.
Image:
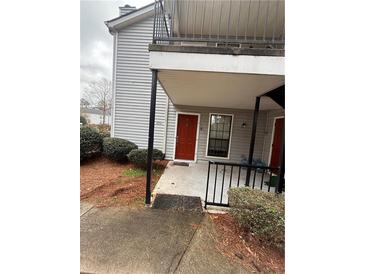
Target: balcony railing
[(234, 23)]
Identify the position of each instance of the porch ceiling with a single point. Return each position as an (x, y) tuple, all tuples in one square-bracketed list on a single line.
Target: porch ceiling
[(223, 90)]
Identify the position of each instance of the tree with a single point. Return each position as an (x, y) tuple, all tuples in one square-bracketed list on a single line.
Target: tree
[(99, 94), (83, 120), (84, 103)]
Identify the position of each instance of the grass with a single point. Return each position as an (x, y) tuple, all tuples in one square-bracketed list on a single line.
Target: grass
[(138, 172), (134, 172)]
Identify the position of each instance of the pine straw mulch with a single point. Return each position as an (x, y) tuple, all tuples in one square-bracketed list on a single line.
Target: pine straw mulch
[(243, 247), (103, 185)]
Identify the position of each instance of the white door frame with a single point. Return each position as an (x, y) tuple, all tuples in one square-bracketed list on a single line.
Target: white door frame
[(196, 137), (272, 138)]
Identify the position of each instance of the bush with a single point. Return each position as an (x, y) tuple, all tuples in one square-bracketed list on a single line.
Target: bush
[(103, 127), (139, 157), (90, 143), (117, 149), (83, 120), (104, 130), (104, 134), (261, 213)]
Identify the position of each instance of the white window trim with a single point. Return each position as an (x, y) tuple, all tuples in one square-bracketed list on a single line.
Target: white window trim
[(230, 136), (196, 137), (272, 138)]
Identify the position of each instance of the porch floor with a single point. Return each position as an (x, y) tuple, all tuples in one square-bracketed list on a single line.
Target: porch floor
[(192, 180)]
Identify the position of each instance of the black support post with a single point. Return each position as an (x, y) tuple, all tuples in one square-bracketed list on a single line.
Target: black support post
[(281, 183), (253, 138), (150, 136)]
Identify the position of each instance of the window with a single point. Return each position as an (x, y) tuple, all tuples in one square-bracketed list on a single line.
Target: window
[(219, 135)]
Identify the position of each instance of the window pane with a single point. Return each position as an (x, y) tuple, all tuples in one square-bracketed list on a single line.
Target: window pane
[(219, 135), (213, 126)]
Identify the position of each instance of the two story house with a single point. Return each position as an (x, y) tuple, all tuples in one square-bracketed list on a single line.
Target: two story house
[(203, 81)]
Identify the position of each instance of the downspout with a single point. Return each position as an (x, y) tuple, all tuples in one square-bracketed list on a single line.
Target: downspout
[(115, 37)]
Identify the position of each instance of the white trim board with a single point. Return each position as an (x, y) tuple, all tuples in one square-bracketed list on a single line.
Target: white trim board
[(267, 65), (230, 136), (272, 138), (196, 137)]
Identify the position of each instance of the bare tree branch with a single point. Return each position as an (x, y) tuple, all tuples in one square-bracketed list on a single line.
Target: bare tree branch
[(99, 94)]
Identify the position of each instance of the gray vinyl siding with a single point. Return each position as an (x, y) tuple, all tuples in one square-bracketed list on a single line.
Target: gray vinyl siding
[(133, 87), (271, 114), (240, 140)]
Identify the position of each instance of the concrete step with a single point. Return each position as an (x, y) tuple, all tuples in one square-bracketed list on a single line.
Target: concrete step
[(178, 202)]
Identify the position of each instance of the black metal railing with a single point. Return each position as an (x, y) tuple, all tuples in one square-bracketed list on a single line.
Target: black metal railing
[(235, 23), (223, 176)]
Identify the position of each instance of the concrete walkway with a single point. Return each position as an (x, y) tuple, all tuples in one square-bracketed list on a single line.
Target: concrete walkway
[(184, 180), (123, 240)]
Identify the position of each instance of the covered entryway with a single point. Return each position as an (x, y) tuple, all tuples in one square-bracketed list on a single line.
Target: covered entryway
[(186, 136)]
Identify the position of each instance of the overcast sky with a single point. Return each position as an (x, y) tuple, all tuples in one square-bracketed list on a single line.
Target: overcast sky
[(96, 43)]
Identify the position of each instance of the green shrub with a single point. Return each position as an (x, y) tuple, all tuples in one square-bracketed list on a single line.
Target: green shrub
[(104, 134), (90, 143), (261, 213), (117, 149), (83, 120), (139, 157), (104, 130)]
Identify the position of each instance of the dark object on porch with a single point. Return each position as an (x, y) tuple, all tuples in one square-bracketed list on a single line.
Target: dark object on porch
[(180, 164), (273, 181), (178, 202)]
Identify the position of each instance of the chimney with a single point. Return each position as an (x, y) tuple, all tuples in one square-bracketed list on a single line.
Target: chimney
[(126, 9)]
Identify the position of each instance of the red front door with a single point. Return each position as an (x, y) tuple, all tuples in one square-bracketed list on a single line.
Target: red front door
[(186, 136), (276, 143)]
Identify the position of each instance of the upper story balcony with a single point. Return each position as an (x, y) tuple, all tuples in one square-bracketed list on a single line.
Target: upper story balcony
[(219, 53), (247, 27)]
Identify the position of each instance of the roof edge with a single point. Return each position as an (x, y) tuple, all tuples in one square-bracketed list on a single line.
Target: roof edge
[(128, 18)]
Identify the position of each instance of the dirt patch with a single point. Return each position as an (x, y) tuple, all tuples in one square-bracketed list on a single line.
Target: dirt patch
[(244, 248), (102, 184)]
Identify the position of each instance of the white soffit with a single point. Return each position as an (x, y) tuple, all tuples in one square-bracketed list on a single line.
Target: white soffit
[(271, 65), (223, 90)]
